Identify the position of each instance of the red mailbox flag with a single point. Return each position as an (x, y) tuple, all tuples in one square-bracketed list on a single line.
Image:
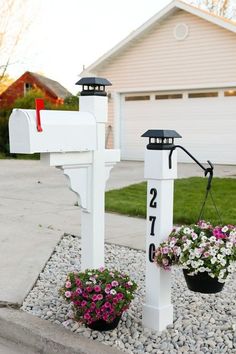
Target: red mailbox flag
[(39, 104)]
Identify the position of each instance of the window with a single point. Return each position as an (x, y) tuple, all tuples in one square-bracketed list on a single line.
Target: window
[(230, 93), (171, 96), (202, 94), (27, 87), (137, 98)]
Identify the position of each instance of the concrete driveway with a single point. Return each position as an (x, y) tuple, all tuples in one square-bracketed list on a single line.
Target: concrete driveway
[(37, 208)]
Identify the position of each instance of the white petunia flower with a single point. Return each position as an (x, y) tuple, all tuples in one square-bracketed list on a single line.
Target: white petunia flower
[(202, 234), (228, 252), (231, 268), (229, 244), (212, 238), (225, 229), (213, 260), (223, 262), (212, 252), (194, 264), (202, 269), (203, 244), (221, 280)]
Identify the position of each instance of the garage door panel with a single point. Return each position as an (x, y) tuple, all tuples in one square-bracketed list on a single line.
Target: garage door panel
[(208, 126)]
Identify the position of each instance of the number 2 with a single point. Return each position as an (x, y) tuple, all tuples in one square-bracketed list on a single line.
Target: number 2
[(153, 204)]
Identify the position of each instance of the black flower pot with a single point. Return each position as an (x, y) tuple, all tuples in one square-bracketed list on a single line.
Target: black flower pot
[(202, 283), (101, 325)]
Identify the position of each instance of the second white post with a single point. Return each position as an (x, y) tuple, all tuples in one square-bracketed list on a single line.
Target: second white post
[(157, 309)]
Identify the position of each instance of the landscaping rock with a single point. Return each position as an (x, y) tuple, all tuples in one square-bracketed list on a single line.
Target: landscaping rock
[(202, 323)]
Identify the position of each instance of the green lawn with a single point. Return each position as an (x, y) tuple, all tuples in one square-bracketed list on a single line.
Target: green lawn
[(20, 156), (188, 198)]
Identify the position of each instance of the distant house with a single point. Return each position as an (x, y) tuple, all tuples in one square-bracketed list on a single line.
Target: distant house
[(177, 71), (54, 92)]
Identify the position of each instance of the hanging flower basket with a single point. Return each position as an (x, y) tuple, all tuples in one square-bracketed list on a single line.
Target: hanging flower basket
[(99, 297), (206, 253)]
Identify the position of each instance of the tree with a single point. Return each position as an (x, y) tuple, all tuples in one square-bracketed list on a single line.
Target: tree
[(13, 25), (5, 83), (224, 8)]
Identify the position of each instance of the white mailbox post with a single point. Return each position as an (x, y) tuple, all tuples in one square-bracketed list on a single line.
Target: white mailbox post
[(75, 143), (157, 309)]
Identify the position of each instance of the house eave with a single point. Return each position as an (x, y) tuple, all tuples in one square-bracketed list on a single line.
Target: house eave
[(162, 88)]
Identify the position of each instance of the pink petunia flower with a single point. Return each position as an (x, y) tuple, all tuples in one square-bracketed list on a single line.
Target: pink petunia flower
[(120, 296), (99, 296), (114, 283), (165, 250), (78, 291), (97, 288), (98, 312), (83, 303), (78, 282), (95, 297), (89, 289), (68, 284), (87, 316), (68, 294), (206, 254), (105, 317)]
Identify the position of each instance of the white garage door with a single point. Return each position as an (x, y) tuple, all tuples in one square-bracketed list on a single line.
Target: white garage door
[(205, 119)]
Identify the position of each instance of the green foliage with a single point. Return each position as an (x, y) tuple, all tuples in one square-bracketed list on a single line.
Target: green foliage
[(71, 103), (4, 140), (28, 101), (189, 195)]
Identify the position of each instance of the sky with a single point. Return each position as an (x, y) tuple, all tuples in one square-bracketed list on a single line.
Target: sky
[(63, 36)]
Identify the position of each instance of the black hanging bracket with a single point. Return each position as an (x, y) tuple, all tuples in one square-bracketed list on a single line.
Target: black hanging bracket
[(208, 170)]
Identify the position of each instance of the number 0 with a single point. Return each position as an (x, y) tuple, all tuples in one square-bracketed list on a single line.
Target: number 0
[(152, 250)]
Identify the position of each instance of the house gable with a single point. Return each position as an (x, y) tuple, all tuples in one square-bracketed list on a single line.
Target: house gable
[(158, 60), (153, 21)]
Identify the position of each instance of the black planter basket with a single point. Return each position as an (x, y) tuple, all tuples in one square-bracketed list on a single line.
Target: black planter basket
[(101, 325), (202, 283)]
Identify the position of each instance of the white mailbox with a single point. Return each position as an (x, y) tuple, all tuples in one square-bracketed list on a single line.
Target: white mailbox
[(62, 131)]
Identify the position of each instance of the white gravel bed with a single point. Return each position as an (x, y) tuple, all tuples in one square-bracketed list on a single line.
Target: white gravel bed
[(202, 323)]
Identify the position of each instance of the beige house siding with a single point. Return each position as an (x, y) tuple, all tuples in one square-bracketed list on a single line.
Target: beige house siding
[(158, 60)]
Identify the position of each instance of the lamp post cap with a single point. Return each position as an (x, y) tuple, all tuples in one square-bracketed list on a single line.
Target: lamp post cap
[(93, 86), (94, 81), (153, 133)]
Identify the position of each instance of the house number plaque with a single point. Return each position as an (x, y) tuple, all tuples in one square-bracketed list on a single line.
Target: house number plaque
[(152, 219)]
